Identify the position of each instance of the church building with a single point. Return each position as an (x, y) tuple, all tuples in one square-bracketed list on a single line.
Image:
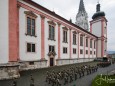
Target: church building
[(34, 37)]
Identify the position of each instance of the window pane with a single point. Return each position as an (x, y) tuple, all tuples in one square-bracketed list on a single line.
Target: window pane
[(66, 50), (53, 32), (49, 32), (29, 30), (86, 42), (94, 44), (74, 51), (49, 48), (33, 47), (63, 36), (33, 22), (53, 49), (33, 31), (33, 27), (28, 47), (63, 50), (90, 43), (28, 26), (81, 41), (81, 51), (66, 36), (74, 38), (28, 20)]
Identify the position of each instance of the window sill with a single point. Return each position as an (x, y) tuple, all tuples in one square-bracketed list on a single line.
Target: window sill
[(30, 35), (51, 39), (64, 53), (65, 42), (74, 44), (31, 52)]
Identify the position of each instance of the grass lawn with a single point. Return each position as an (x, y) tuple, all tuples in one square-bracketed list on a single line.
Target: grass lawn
[(104, 80)]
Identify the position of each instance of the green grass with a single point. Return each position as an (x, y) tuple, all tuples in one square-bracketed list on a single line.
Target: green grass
[(103, 81)]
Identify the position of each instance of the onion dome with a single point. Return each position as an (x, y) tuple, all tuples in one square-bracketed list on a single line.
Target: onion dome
[(98, 12)]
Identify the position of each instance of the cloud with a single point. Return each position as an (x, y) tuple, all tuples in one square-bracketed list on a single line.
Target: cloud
[(69, 8)]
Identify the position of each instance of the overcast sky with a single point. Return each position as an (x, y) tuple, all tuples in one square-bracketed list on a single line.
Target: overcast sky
[(69, 8)]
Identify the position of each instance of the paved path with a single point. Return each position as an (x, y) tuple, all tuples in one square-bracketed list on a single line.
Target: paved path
[(39, 76), (86, 81)]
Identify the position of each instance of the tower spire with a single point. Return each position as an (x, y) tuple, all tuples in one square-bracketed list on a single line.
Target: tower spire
[(82, 16), (81, 6)]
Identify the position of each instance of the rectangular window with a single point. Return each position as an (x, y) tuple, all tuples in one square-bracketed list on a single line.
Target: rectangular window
[(90, 43), (51, 32), (64, 50), (86, 42), (81, 40), (65, 36), (30, 26), (86, 51), (51, 48), (81, 51), (74, 51), (90, 52), (74, 39), (31, 47)]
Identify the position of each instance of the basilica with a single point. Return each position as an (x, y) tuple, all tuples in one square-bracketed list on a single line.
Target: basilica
[(34, 37)]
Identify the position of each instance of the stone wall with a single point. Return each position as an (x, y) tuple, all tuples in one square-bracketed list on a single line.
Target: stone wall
[(9, 72), (33, 65), (72, 61)]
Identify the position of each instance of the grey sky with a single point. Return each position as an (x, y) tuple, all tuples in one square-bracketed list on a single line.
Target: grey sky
[(69, 8)]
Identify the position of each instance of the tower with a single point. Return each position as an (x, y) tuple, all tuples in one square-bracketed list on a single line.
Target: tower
[(82, 17), (98, 27)]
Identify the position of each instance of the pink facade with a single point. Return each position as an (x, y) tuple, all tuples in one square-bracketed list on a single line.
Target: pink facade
[(13, 31)]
